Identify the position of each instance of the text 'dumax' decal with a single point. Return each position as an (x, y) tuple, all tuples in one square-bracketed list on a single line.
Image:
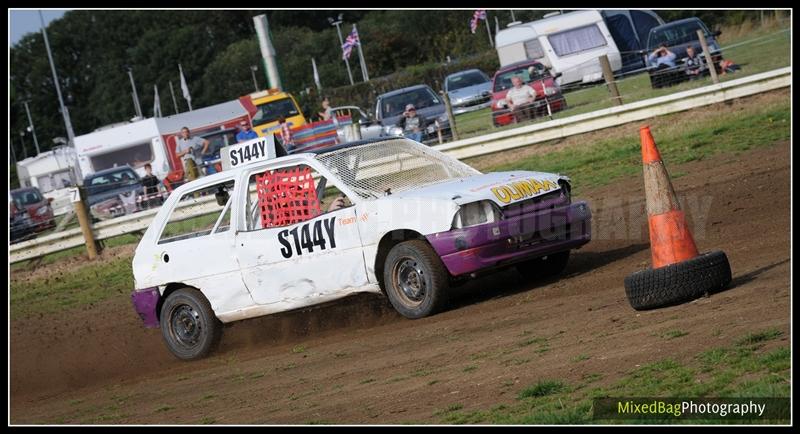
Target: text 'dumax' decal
[(522, 189)]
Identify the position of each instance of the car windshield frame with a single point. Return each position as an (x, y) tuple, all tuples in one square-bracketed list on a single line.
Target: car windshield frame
[(376, 169), (686, 37), (20, 197), (501, 77), (399, 101), (112, 183), (271, 111), (464, 75)]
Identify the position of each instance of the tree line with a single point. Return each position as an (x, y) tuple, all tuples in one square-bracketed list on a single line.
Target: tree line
[(93, 50)]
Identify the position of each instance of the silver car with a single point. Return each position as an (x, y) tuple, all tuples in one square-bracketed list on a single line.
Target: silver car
[(468, 90), (369, 127)]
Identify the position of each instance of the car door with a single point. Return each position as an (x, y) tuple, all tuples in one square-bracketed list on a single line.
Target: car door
[(307, 258), (196, 247)]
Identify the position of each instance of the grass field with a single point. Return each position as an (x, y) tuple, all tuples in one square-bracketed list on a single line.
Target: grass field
[(747, 369), (756, 51)]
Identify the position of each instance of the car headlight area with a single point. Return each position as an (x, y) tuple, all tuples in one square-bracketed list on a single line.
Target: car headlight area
[(42, 210), (476, 213), (392, 130)]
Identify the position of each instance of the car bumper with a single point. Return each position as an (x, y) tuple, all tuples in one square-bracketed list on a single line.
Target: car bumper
[(459, 109), (515, 239), (145, 302)]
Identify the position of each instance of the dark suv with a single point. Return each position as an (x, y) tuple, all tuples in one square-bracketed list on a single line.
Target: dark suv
[(677, 36), (391, 105)]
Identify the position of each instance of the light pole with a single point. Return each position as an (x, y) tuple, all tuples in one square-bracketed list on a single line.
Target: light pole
[(336, 23), (64, 112), (253, 69), (30, 127), (22, 139), (135, 94)]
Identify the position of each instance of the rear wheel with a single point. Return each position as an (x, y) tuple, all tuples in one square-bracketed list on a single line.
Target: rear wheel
[(415, 279), (546, 266), (188, 324)]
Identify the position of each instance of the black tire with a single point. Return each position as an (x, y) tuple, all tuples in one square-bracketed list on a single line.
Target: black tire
[(546, 266), (415, 279), (678, 283), (188, 324)]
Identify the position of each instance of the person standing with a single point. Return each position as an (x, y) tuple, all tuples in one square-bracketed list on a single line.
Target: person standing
[(190, 153), (412, 123), (327, 111), (245, 132), (150, 183)]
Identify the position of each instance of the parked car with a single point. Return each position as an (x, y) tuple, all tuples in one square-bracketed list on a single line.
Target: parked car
[(391, 105), (113, 192), (468, 90), (388, 216), (370, 128), (21, 227), (36, 205), (217, 140), (677, 36), (548, 94)]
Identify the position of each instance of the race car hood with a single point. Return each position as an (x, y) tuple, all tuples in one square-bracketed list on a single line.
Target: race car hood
[(502, 188)]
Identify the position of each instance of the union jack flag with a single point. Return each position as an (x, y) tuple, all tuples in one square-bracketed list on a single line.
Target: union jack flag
[(350, 42), (479, 14)]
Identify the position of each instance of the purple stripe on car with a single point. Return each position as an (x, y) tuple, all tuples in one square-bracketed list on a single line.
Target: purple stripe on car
[(145, 302), (525, 236)]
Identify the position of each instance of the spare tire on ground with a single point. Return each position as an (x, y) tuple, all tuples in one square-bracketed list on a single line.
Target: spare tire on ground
[(678, 283)]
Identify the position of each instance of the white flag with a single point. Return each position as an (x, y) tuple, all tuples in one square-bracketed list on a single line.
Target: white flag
[(185, 88), (316, 74), (156, 104)]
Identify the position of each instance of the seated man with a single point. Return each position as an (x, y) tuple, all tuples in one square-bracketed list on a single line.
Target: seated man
[(413, 124), (661, 56), (695, 65), (518, 98)]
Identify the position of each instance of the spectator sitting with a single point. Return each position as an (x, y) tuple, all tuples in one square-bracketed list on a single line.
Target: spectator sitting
[(695, 65), (246, 132), (412, 123), (662, 56), (518, 97), (728, 66)]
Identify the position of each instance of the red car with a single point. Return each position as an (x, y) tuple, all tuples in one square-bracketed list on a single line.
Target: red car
[(38, 207), (548, 94)]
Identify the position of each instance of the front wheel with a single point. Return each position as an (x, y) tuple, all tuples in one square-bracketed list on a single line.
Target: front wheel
[(415, 279), (188, 324)]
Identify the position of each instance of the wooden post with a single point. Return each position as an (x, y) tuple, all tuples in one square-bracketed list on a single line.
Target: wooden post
[(709, 61), (609, 76), (85, 222), (450, 116)]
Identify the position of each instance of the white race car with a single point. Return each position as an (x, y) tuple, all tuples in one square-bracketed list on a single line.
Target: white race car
[(392, 216)]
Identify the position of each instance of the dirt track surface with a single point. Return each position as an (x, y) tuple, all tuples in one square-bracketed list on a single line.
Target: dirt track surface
[(357, 361)]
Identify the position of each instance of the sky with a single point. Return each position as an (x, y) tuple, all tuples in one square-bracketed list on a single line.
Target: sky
[(22, 22)]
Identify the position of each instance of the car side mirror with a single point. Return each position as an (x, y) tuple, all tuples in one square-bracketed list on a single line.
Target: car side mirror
[(557, 75), (49, 200), (222, 197)]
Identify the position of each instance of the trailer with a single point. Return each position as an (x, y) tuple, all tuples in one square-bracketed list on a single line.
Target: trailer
[(571, 43), (153, 140)]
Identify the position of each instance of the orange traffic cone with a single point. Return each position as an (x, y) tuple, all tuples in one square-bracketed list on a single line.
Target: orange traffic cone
[(670, 239), (680, 273)]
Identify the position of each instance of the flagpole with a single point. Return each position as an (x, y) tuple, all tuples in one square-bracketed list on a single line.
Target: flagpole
[(364, 72), (488, 30), (185, 88), (174, 101)]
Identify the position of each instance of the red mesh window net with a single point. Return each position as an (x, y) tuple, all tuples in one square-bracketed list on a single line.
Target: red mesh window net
[(286, 197)]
